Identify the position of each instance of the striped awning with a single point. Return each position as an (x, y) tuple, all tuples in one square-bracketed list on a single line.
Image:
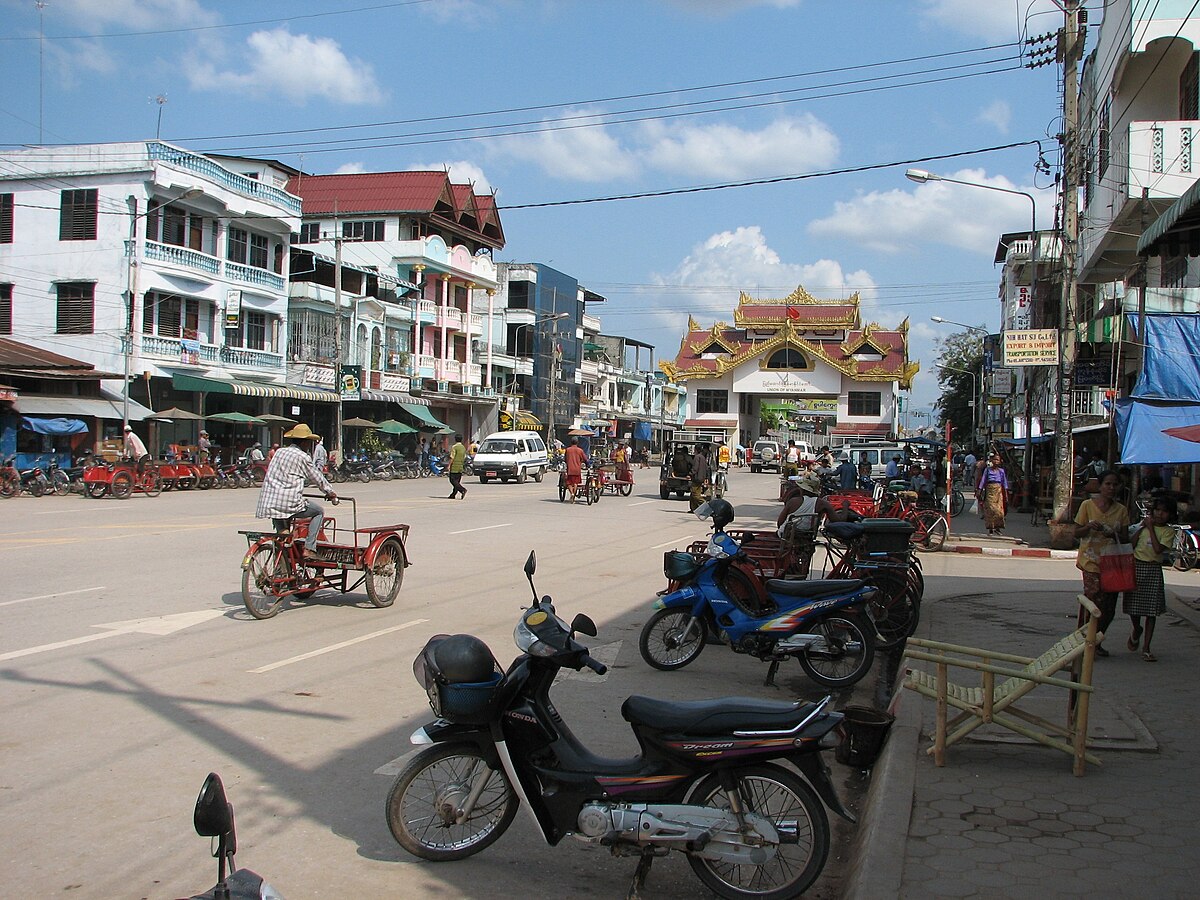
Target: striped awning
[(251, 388), (527, 421), (423, 415), (391, 397)]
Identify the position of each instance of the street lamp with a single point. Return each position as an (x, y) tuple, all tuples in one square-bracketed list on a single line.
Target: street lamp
[(942, 321)]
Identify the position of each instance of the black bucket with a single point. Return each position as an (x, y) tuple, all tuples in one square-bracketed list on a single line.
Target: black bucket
[(865, 731)]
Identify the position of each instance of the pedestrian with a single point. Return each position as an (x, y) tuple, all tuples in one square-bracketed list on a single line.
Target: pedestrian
[(458, 461), (847, 474), (271, 452), (423, 454), (700, 473), (893, 468), (282, 497), (968, 467), (1148, 599), (574, 458), (204, 446), (136, 450), (255, 454), (992, 491), (791, 460), (865, 481), (320, 454), (741, 454), (1100, 522)]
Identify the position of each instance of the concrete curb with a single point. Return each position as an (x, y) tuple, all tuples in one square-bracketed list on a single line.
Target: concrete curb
[(883, 830), (1023, 552)]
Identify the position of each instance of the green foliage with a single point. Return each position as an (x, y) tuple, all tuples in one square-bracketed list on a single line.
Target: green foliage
[(371, 442), (962, 355), (769, 420)]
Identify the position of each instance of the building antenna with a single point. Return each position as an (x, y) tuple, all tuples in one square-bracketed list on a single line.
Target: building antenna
[(41, 6)]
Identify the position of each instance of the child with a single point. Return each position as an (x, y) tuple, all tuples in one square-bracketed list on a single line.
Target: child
[(1149, 598)]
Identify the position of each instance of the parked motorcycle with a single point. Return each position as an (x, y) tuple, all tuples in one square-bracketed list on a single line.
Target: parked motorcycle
[(214, 818), (824, 623), (708, 782), (33, 481)]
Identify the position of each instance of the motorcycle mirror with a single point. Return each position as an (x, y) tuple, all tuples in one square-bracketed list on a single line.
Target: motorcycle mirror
[(582, 624), (213, 816), (530, 568)]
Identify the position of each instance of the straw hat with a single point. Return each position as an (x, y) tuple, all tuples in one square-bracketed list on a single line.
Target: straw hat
[(808, 484), (301, 431)]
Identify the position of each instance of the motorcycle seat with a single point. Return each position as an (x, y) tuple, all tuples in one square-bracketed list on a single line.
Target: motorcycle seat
[(719, 716), (818, 588)]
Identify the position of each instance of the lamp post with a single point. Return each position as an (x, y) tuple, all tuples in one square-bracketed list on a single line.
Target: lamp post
[(920, 176), (977, 418)]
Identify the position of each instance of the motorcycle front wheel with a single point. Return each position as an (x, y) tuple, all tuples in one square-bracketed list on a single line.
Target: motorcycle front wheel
[(663, 644), (791, 806), (424, 803), (845, 654)]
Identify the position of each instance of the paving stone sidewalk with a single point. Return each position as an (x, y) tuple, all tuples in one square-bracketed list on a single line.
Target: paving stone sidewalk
[(1008, 819)]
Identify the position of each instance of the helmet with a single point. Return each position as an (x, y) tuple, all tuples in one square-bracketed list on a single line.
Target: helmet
[(722, 513), (464, 659)]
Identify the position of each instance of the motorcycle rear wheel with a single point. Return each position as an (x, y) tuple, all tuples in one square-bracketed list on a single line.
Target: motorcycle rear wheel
[(793, 808), (661, 643), (847, 655), (61, 483), (424, 800)]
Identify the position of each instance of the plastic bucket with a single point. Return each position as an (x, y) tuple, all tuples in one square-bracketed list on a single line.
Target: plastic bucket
[(865, 731)]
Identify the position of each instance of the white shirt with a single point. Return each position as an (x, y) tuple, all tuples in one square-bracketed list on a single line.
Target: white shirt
[(134, 446)]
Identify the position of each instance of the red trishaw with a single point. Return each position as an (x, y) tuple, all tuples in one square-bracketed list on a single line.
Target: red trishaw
[(274, 567), (121, 479)]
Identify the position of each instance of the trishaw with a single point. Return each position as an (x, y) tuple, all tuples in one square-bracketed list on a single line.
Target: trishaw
[(274, 567), (610, 483), (120, 479), (591, 488)]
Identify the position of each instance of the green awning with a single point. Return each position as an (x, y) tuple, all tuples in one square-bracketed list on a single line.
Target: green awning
[(423, 415), (1180, 217), (184, 382)]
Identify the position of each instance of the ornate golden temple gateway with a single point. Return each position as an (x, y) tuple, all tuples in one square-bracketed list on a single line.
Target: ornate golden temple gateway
[(811, 360)]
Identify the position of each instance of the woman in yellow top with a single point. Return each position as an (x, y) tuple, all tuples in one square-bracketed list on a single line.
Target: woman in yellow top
[(1149, 597), (1098, 524)]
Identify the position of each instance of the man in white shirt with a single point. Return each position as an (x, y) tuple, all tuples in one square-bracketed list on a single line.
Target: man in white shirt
[(282, 497), (135, 449), (968, 467), (893, 468)]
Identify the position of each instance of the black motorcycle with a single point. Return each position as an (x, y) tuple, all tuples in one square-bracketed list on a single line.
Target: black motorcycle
[(708, 782), (213, 818)]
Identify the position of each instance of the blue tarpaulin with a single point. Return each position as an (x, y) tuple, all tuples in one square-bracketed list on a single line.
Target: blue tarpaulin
[(641, 431), (53, 426), (1170, 366), (1157, 433)]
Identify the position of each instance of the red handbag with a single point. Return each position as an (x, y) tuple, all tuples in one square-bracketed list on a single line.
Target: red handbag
[(1116, 568)]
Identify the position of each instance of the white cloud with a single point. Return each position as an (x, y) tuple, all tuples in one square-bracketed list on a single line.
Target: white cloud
[(960, 216), (294, 67), (134, 15), (579, 154), (786, 145), (461, 172), (998, 114), (350, 168), (995, 22)]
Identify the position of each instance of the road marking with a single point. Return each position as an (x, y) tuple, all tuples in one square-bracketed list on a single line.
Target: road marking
[(323, 650), (641, 503), (483, 528), (687, 538), (47, 596), (156, 625)]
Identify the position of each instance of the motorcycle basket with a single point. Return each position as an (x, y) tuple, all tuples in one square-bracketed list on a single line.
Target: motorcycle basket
[(461, 703), (679, 565)]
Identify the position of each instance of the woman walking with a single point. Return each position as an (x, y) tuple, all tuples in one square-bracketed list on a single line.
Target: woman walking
[(1149, 597), (1099, 523), (992, 491)]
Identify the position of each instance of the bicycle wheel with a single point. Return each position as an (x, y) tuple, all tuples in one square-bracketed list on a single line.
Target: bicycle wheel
[(719, 485), (424, 802), (152, 484), (262, 579), (60, 483), (9, 487), (896, 608), (625, 489), (1186, 550), (957, 502), (121, 485), (791, 806), (596, 492), (931, 532), (386, 575)]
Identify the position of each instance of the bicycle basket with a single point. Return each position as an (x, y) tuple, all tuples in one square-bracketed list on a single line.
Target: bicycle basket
[(463, 703), (679, 565)]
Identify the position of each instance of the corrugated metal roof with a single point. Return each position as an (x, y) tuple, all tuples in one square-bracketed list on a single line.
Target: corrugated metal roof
[(371, 192), (15, 356)]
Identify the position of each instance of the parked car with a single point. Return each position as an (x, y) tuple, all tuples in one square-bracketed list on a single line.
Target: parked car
[(765, 455), (878, 455)]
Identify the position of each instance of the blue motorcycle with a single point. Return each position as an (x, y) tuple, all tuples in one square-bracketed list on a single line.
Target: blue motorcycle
[(824, 624)]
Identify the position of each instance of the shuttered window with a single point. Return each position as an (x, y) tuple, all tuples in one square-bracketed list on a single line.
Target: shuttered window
[(76, 307), (6, 308), (235, 249), (77, 215), (6, 218)]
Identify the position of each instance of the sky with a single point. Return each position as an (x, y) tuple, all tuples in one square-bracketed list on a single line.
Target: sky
[(722, 145)]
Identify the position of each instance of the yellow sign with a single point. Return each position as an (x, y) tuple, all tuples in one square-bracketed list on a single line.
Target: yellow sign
[(1031, 347)]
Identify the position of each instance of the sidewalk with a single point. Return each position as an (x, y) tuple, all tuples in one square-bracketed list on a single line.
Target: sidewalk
[(1008, 819), (1020, 538)]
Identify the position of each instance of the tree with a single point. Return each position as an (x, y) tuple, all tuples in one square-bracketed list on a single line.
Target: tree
[(962, 356)]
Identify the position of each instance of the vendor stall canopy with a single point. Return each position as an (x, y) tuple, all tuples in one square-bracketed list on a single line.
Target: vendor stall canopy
[(1160, 422), (53, 426)]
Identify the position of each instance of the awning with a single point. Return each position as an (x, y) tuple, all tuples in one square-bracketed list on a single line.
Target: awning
[(71, 407), (251, 388), (527, 421), (423, 415), (1158, 433), (54, 426), (390, 397), (710, 423), (1177, 224)]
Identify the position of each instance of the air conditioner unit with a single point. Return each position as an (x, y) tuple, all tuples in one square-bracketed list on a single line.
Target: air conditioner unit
[(443, 387)]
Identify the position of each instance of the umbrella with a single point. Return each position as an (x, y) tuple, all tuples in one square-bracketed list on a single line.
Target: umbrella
[(269, 417), (236, 417), (359, 423), (175, 413), (391, 426), (581, 432)]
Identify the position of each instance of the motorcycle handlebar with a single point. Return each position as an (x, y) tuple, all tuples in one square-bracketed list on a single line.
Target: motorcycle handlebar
[(595, 665)]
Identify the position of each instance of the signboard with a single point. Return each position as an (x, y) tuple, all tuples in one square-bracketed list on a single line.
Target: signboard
[(1093, 372), (233, 308), (1002, 382), (350, 383), (1020, 307), (189, 352), (1032, 347), (804, 406)]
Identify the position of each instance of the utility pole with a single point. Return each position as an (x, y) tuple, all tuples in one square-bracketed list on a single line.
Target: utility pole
[(1072, 49), (337, 335)]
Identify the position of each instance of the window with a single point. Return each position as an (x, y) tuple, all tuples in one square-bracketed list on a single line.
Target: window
[(77, 216), (708, 401), (258, 251), (235, 245), (1105, 143), (310, 233), (863, 403), (1189, 89), (76, 307), (6, 307), (788, 359), (256, 330), (6, 218), (363, 231), (518, 294), (168, 315)]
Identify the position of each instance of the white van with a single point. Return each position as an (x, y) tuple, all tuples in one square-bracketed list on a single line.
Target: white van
[(509, 455), (878, 455)]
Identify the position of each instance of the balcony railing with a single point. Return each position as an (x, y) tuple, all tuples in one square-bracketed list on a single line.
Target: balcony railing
[(183, 256), (1088, 402), (171, 348), (449, 370), (202, 165), (251, 359), (475, 324), (450, 317), (472, 374), (251, 275), (158, 347)]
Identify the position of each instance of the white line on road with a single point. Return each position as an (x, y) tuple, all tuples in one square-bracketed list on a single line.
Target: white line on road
[(47, 596), (641, 503), (483, 528), (156, 625), (674, 543), (332, 647)]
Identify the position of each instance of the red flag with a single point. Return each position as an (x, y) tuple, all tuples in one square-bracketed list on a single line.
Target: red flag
[(793, 313)]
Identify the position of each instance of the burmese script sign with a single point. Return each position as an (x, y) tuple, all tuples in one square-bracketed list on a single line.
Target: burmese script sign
[(1031, 347)]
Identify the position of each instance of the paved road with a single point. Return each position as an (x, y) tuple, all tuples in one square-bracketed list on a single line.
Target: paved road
[(130, 669)]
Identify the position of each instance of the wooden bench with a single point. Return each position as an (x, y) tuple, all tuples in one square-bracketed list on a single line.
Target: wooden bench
[(994, 703)]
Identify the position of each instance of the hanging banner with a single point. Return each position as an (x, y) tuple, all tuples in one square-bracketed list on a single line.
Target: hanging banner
[(233, 308), (350, 383), (1031, 347)]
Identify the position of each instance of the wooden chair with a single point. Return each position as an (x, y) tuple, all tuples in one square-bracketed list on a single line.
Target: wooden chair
[(995, 703)]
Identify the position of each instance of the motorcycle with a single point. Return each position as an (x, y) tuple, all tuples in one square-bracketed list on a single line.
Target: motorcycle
[(824, 623), (213, 818), (708, 782)]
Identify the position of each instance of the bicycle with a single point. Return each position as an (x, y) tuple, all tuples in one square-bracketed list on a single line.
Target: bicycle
[(1185, 549), (931, 525), (720, 483)]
